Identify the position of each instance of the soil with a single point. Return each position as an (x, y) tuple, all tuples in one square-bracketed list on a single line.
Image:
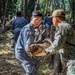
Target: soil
[(8, 63)]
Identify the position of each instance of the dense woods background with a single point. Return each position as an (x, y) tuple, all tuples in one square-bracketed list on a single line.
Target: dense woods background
[(8, 64), (9, 7)]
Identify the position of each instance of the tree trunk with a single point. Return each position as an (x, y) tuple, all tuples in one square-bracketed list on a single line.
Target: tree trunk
[(57, 64), (25, 8), (63, 4), (36, 4), (4, 15)]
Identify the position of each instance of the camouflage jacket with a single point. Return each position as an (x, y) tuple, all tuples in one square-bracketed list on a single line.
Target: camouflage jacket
[(63, 35)]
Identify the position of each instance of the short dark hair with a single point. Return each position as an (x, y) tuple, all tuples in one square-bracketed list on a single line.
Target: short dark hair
[(37, 13), (18, 13)]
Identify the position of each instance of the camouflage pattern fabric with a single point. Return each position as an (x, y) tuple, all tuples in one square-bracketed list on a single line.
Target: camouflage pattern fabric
[(63, 34), (71, 67)]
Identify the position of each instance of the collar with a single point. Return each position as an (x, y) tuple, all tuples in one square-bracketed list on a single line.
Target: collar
[(62, 22)]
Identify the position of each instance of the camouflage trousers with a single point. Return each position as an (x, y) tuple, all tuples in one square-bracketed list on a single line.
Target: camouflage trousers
[(71, 67)]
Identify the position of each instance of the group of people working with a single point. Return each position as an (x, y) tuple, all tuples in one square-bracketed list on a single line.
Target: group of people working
[(33, 32)]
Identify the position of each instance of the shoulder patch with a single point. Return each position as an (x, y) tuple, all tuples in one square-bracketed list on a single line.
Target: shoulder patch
[(29, 32)]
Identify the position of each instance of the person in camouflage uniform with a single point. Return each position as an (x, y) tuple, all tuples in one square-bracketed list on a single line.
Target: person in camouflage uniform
[(63, 42)]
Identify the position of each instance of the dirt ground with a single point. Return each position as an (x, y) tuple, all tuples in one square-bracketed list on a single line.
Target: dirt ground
[(8, 63)]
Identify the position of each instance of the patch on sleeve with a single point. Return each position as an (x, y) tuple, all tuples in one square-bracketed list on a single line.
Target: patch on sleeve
[(28, 32)]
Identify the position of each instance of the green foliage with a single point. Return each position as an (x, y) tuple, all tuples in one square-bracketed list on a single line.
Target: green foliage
[(11, 7), (44, 5), (18, 4), (45, 68), (31, 5)]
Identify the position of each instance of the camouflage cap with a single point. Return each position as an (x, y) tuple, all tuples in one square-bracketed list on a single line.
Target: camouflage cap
[(58, 13)]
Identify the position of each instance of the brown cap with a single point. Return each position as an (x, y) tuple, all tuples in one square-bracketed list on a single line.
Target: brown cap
[(58, 13)]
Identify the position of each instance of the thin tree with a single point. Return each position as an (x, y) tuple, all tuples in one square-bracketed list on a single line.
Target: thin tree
[(25, 8), (4, 15), (36, 4)]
